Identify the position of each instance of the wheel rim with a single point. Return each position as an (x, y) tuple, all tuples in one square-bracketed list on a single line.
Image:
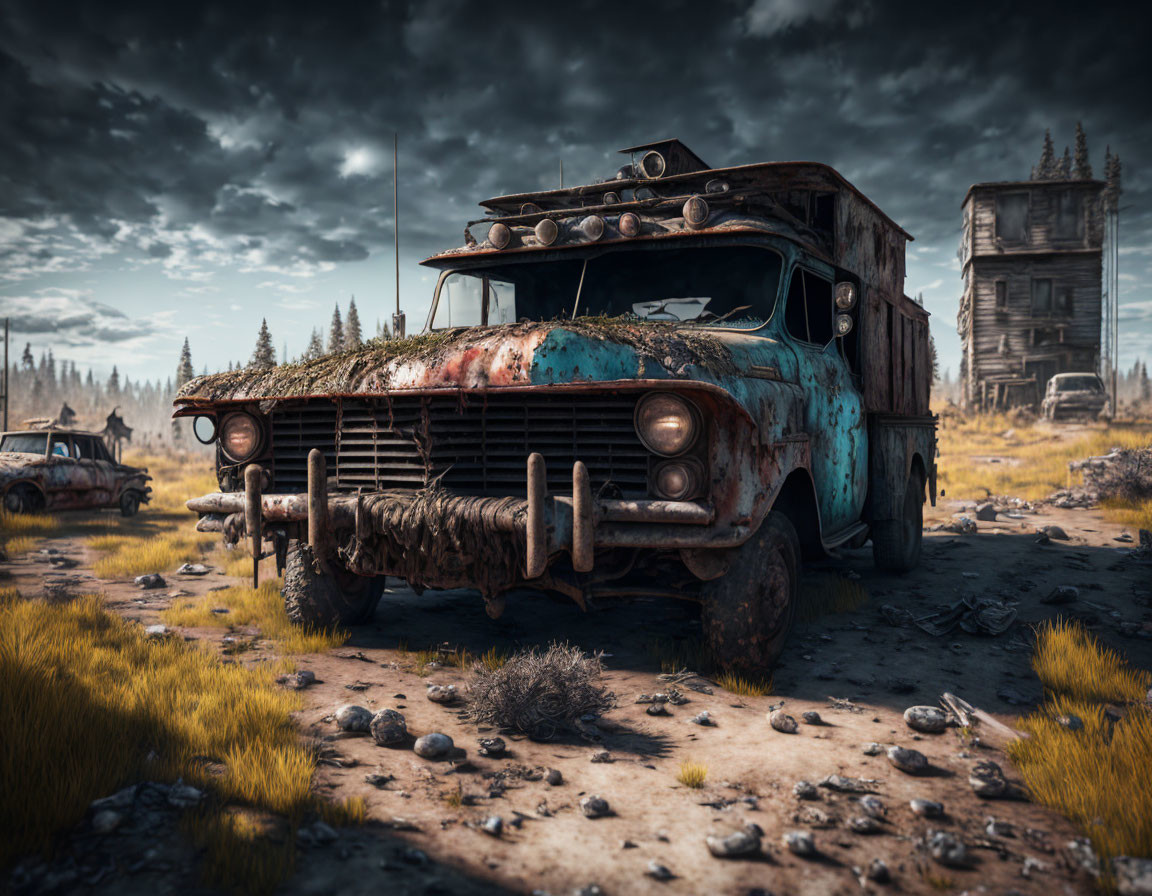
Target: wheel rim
[(776, 594)]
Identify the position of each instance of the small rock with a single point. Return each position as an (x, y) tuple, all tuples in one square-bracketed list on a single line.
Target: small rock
[(493, 747), (782, 722), (947, 849), (927, 808), (799, 843), (353, 718), (433, 746), (388, 728), (442, 693), (554, 778), (628, 844), (1071, 722), (811, 718), (912, 762), (878, 872), (657, 709), (1032, 866), (996, 828), (873, 806), (987, 780), (151, 580), (863, 824), (737, 844), (873, 749), (656, 871), (413, 856), (322, 832), (1062, 594), (121, 799), (986, 513), (589, 890), (106, 821), (927, 719), (156, 631), (644, 698), (1054, 532), (703, 718), (805, 790), (193, 569), (184, 796), (378, 780), (493, 825), (1133, 876), (676, 698), (594, 806), (601, 756), (844, 784)]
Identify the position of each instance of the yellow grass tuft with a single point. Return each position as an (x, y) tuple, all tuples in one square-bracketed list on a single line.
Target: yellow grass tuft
[(133, 555), (742, 686), (692, 774), (493, 658), (1097, 776)]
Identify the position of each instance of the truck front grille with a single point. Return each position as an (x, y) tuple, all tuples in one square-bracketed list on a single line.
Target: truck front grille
[(475, 447)]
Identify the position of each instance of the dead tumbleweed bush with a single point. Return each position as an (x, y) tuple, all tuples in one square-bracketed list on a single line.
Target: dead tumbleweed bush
[(539, 693)]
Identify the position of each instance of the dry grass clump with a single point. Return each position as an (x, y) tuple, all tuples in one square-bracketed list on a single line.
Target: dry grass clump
[(85, 697), (539, 692), (745, 686), (692, 774), (134, 555), (1098, 775), (493, 658)]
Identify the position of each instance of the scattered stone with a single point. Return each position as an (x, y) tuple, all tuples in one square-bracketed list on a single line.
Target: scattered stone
[(628, 844), (297, 681), (1133, 876), (106, 821), (928, 719), (353, 718), (1071, 722), (947, 849), (873, 749), (656, 871), (1062, 594), (811, 718), (644, 698), (843, 784), (912, 762), (388, 728), (319, 832), (150, 581), (987, 780), (156, 631), (601, 756), (184, 796), (927, 808), (805, 790), (703, 718), (864, 824), (442, 693), (1054, 532), (193, 569), (873, 806), (878, 872), (800, 843), (736, 845), (676, 698), (782, 722), (554, 778), (493, 825), (595, 807), (986, 513), (378, 780), (1032, 866), (657, 709), (996, 828), (413, 856), (493, 747), (963, 525), (433, 746)]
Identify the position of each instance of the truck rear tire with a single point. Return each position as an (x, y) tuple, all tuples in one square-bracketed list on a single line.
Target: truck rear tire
[(129, 503), (326, 599), (748, 612), (896, 543)]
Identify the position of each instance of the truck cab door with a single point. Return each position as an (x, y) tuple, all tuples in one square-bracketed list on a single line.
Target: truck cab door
[(61, 491), (95, 471), (833, 404)]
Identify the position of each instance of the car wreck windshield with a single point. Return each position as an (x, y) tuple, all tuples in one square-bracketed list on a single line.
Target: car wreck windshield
[(729, 286), (28, 443), (1079, 384)]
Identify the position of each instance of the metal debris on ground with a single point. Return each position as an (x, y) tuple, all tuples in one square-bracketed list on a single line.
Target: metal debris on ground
[(975, 615)]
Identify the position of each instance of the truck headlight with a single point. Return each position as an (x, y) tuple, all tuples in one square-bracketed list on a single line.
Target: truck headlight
[(667, 424), (678, 480), (240, 436)]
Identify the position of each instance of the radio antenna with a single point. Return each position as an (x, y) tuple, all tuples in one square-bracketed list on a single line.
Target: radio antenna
[(398, 316)]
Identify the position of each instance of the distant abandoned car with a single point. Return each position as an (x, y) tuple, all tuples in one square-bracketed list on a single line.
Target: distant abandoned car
[(1072, 396), (66, 469), (679, 381)]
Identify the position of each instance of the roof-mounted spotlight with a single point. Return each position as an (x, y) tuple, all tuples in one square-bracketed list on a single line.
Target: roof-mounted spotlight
[(592, 227), (611, 198), (547, 231), (499, 235), (643, 193), (626, 173), (695, 212), (652, 165), (716, 186), (629, 224)]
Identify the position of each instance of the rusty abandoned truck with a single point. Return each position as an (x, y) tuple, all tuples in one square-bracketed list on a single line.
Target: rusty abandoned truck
[(681, 380)]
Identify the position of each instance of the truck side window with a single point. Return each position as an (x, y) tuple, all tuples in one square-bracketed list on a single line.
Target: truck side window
[(808, 314)]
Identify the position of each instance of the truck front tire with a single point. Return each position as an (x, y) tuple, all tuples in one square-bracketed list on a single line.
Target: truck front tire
[(323, 599), (748, 612), (896, 543)]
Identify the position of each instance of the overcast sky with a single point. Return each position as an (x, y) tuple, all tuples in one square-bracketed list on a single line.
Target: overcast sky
[(185, 169)]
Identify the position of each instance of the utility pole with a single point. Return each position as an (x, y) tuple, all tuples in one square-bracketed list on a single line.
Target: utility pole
[(7, 370), (398, 315)]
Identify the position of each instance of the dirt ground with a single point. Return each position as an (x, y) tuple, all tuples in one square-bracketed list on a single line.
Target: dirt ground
[(859, 669)]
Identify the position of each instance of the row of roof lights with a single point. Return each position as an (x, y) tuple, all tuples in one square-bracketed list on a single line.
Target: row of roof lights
[(694, 211)]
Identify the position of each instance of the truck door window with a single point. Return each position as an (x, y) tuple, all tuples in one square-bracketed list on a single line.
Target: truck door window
[(83, 448), (468, 300), (60, 447), (808, 313)]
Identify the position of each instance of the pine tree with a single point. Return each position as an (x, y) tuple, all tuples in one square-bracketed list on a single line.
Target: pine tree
[(184, 371), (27, 361), (50, 371), (90, 381), (1145, 384), (335, 332), (315, 346), (352, 336), (1081, 166), (1064, 166), (1046, 168), (114, 383), (264, 355)]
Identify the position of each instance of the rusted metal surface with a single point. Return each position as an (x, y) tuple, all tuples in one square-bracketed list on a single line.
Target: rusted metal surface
[(72, 471)]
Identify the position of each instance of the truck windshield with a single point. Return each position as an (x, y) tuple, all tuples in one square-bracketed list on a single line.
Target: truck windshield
[(26, 442), (729, 286), (1080, 384)]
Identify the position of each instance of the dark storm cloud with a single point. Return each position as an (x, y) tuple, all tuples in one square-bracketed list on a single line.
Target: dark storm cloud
[(248, 135), (70, 317)]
